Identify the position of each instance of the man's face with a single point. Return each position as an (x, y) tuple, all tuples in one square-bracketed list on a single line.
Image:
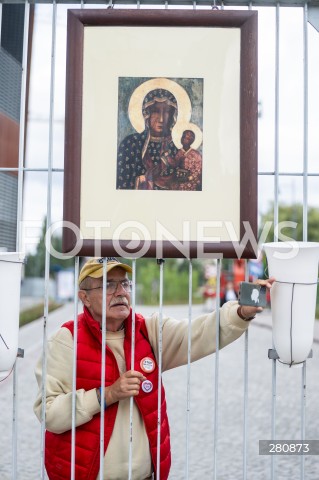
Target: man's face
[(117, 303), (161, 119)]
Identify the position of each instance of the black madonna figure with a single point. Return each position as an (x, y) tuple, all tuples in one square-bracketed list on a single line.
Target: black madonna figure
[(146, 161)]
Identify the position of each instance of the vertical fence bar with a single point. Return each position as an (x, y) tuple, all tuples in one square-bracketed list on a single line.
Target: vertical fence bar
[(47, 250), (245, 428), (22, 123), (217, 369), (75, 349), (303, 414), (160, 349), (276, 220), (15, 423), (277, 75), (189, 356), (304, 217), (103, 369), (19, 216), (132, 365), (245, 420), (305, 124)]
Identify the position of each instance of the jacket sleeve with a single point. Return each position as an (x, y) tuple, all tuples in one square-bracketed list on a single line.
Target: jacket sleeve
[(59, 387), (203, 335)]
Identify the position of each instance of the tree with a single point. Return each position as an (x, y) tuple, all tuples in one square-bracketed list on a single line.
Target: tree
[(292, 213), (35, 265), (175, 280)]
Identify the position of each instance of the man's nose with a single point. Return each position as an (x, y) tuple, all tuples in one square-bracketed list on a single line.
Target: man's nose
[(119, 289)]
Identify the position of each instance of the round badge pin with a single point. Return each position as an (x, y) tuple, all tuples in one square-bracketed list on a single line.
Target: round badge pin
[(147, 386), (147, 365)]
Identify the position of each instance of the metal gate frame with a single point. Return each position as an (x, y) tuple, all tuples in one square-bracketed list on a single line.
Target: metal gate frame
[(310, 15)]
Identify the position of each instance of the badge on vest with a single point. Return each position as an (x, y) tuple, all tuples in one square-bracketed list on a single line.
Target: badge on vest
[(147, 386), (147, 364)]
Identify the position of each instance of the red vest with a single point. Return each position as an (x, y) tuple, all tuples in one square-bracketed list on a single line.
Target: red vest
[(87, 438)]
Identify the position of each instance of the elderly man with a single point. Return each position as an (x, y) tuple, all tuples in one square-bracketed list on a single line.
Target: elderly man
[(121, 382)]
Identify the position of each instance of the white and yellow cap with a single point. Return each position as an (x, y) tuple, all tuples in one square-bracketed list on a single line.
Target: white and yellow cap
[(94, 267)]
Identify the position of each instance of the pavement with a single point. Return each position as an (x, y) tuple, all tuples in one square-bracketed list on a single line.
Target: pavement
[(198, 446)]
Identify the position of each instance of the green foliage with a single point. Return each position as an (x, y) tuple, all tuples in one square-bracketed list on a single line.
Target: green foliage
[(176, 279), (35, 312), (292, 213), (35, 265)]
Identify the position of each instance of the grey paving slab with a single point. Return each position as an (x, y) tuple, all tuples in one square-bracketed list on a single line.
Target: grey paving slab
[(229, 461)]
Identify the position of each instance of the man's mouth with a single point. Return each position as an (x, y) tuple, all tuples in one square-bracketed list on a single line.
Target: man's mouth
[(119, 303)]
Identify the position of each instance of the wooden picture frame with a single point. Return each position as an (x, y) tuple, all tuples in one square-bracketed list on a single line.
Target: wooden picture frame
[(205, 62)]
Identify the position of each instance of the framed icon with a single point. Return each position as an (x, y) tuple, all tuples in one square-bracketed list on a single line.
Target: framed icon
[(161, 133)]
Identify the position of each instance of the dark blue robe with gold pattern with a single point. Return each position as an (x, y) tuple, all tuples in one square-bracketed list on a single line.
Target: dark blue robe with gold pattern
[(130, 164)]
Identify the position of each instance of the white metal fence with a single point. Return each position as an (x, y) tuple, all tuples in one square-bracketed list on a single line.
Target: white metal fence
[(288, 174)]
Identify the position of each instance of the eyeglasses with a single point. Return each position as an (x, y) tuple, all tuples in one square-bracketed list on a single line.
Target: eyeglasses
[(111, 286)]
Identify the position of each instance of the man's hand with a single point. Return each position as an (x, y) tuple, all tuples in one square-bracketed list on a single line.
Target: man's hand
[(248, 311), (127, 385)]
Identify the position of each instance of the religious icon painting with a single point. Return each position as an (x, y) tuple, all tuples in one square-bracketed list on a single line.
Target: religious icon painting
[(160, 124), (161, 133)]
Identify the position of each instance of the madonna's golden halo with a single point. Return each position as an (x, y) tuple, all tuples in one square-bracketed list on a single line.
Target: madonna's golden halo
[(136, 101)]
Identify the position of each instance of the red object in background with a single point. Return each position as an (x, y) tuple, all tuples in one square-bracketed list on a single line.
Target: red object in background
[(239, 273), (209, 292)]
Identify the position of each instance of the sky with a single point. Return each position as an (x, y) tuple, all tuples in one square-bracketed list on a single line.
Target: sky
[(291, 116)]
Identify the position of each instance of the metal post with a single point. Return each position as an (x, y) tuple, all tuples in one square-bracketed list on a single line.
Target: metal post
[(19, 217), (15, 424), (132, 365), (303, 415), (75, 349), (103, 355), (276, 220), (277, 72), (189, 359), (22, 123), (47, 251), (305, 219), (160, 349), (305, 126), (217, 370), (245, 426)]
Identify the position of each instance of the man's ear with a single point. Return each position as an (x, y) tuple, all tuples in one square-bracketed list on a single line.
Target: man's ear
[(84, 298)]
